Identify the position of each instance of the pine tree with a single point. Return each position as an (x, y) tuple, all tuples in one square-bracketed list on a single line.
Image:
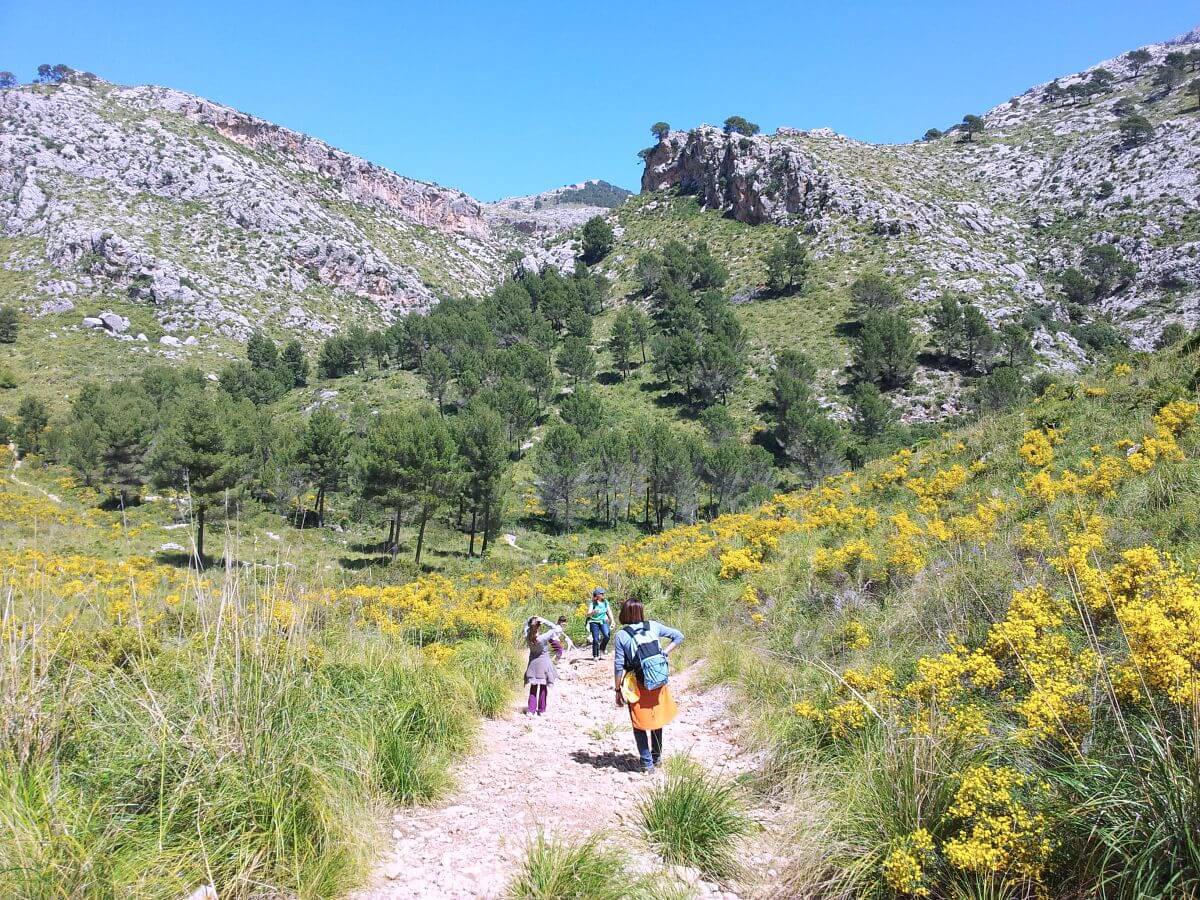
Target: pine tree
[(1015, 344), (577, 361), (583, 411), (641, 329), (10, 324), (620, 342), (261, 352), (871, 291), (947, 325), (511, 399), (787, 265), (812, 440), (484, 450), (194, 455), (596, 240), (435, 369), (872, 413), (295, 363), (560, 472), (978, 337), (323, 447), (886, 349), (32, 422), (126, 428)]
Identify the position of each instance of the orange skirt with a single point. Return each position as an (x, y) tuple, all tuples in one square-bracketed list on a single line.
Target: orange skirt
[(653, 709)]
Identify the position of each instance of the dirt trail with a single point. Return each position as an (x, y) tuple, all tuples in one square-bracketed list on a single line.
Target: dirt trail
[(21, 481), (572, 772)]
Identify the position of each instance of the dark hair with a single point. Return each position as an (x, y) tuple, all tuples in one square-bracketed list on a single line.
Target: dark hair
[(531, 629), (562, 619), (632, 612)]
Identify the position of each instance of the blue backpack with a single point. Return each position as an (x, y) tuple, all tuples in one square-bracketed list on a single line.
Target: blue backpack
[(648, 661)]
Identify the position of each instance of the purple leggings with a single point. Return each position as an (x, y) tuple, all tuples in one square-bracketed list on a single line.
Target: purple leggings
[(537, 697)]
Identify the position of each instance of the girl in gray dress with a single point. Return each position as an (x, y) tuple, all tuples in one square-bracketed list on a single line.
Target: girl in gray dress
[(540, 673)]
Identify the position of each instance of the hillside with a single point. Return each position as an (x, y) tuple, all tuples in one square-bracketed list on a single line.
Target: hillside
[(217, 220), (996, 218)]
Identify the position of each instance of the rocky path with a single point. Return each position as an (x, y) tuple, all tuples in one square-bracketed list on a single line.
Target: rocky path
[(571, 772)]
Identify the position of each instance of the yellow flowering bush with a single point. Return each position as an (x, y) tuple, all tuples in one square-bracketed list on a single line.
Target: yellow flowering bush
[(998, 831), (907, 864), (1037, 447)]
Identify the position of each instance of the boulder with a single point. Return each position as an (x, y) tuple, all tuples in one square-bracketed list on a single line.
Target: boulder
[(113, 322)]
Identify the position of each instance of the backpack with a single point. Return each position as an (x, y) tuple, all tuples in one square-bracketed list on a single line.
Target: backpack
[(648, 661)]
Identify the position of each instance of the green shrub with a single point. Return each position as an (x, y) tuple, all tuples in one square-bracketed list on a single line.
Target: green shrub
[(560, 870), (695, 819)]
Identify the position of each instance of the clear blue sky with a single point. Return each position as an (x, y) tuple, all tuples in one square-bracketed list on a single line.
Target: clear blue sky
[(516, 97)]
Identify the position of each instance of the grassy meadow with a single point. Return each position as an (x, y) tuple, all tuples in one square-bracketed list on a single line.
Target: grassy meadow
[(974, 665)]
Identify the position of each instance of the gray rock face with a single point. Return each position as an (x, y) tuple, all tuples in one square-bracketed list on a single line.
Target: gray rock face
[(222, 221), (997, 217)]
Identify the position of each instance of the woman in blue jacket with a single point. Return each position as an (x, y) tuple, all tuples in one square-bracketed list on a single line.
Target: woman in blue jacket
[(653, 708)]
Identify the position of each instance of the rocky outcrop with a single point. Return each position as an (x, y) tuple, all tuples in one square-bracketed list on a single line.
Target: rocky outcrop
[(357, 180)]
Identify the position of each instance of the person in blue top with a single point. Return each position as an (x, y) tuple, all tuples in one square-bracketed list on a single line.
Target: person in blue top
[(649, 709), (599, 617)]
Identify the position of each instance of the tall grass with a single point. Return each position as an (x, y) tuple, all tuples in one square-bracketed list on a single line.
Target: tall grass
[(695, 819), (580, 870), (220, 748)]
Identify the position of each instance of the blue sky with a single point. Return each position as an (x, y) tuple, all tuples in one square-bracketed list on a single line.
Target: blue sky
[(516, 97)]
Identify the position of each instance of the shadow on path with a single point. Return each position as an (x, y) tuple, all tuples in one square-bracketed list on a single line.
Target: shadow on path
[(622, 762)]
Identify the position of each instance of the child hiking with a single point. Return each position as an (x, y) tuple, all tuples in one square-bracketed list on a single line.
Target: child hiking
[(540, 672), (640, 673), (599, 618), (562, 641)]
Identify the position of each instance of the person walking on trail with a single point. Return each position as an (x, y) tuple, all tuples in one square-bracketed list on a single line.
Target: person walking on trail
[(640, 674), (563, 641), (599, 620), (540, 672)]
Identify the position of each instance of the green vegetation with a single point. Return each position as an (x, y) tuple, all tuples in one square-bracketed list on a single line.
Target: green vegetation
[(10, 324), (247, 756), (739, 125), (695, 818), (585, 870), (596, 239)]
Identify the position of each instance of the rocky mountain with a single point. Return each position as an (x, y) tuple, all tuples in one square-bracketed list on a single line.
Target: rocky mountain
[(552, 212), (221, 220), (997, 214)]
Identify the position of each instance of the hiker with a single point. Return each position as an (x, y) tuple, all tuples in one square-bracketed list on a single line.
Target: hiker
[(540, 673), (640, 673), (557, 644), (599, 619)]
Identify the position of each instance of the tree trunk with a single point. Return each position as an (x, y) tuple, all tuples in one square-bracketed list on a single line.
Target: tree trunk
[(487, 526), (321, 506), (421, 533), (471, 548), (200, 535), (395, 544)]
